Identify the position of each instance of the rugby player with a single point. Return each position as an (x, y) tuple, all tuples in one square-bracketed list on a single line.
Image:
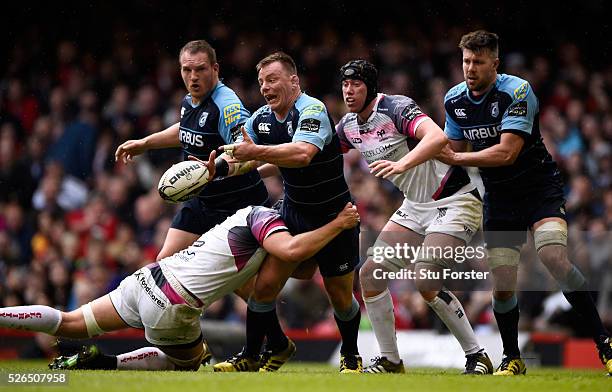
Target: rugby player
[(442, 208), (166, 298), (211, 114), (295, 133), (498, 115)]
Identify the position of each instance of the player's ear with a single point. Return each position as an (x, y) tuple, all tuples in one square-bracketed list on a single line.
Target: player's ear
[(216, 67), (496, 63), (295, 80)]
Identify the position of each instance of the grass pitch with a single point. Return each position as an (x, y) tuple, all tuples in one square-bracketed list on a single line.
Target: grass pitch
[(297, 377)]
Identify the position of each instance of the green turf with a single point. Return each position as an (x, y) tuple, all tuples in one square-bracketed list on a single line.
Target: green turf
[(309, 377)]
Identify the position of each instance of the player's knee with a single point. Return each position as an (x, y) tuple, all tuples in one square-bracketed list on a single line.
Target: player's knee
[(428, 295), (502, 295), (266, 290), (340, 298), (556, 261)]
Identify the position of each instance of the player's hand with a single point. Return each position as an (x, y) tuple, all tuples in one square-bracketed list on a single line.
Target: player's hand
[(246, 150), (385, 169), (210, 164), (128, 150), (447, 155), (348, 217)]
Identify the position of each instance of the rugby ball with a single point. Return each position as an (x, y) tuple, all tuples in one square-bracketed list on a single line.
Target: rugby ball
[(182, 181)]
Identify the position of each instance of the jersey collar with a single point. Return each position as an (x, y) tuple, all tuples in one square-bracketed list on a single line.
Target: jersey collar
[(217, 86), (482, 98)]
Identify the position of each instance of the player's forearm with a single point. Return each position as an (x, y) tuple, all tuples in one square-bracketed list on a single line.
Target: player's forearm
[(169, 137), (430, 146), (285, 155), (304, 246), (489, 157)]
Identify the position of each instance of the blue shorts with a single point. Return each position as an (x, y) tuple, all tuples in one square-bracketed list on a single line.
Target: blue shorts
[(197, 218), (337, 258), (509, 215)]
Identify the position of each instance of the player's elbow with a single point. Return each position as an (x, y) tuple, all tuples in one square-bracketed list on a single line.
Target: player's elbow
[(508, 158), (302, 159), (441, 141)]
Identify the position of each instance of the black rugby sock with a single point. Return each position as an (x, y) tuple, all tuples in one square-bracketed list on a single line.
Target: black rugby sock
[(508, 328), (276, 338), (256, 330), (349, 331), (103, 362), (583, 304)]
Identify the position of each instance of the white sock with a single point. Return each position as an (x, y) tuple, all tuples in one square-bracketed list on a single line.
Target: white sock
[(147, 358), (38, 318), (450, 311), (380, 312)]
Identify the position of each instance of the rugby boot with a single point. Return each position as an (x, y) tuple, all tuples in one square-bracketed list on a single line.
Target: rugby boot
[(511, 367), (238, 363), (383, 365), (271, 361), (351, 364), (478, 363), (604, 346), (87, 358)]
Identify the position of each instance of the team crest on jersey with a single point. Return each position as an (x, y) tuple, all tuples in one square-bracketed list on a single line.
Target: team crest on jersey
[(182, 112), (289, 128), (203, 118), (495, 109), (521, 91)]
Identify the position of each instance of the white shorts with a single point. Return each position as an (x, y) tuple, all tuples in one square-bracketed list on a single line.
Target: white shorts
[(142, 304), (457, 215)]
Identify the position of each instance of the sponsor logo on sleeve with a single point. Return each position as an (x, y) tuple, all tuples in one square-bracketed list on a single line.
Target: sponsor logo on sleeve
[(310, 125), (518, 109), (231, 113), (313, 110), (411, 112), (521, 91)]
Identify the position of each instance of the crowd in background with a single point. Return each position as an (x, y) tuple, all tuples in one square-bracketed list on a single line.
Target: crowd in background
[(73, 222)]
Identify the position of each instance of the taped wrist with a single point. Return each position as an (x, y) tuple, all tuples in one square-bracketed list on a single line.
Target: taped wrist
[(221, 167)]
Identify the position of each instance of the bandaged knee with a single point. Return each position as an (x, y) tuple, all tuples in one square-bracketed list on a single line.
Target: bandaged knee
[(550, 233), (93, 329), (498, 257)]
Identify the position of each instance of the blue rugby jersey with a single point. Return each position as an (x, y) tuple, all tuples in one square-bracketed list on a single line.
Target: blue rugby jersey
[(510, 106), (321, 185), (204, 127)]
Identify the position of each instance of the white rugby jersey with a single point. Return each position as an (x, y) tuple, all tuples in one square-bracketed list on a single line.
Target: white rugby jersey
[(389, 134), (226, 256)]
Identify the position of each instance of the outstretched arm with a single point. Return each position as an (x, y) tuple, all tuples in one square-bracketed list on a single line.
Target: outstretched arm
[(169, 137), (303, 246), (502, 154)]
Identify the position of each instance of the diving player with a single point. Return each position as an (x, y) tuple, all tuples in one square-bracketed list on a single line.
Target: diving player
[(442, 208), (211, 114), (498, 115), (166, 298)]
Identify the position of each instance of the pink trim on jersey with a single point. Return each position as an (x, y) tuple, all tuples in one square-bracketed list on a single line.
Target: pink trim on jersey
[(171, 294), (442, 183), (415, 123)]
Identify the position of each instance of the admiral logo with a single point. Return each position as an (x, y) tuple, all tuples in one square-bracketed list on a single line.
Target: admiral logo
[(310, 125), (203, 118), (482, 133), (518, 109), (460, 113), (191, 138), (401, 214), (264, 128), (495, 109), (356, 140), (231, 113), (184, 173)]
